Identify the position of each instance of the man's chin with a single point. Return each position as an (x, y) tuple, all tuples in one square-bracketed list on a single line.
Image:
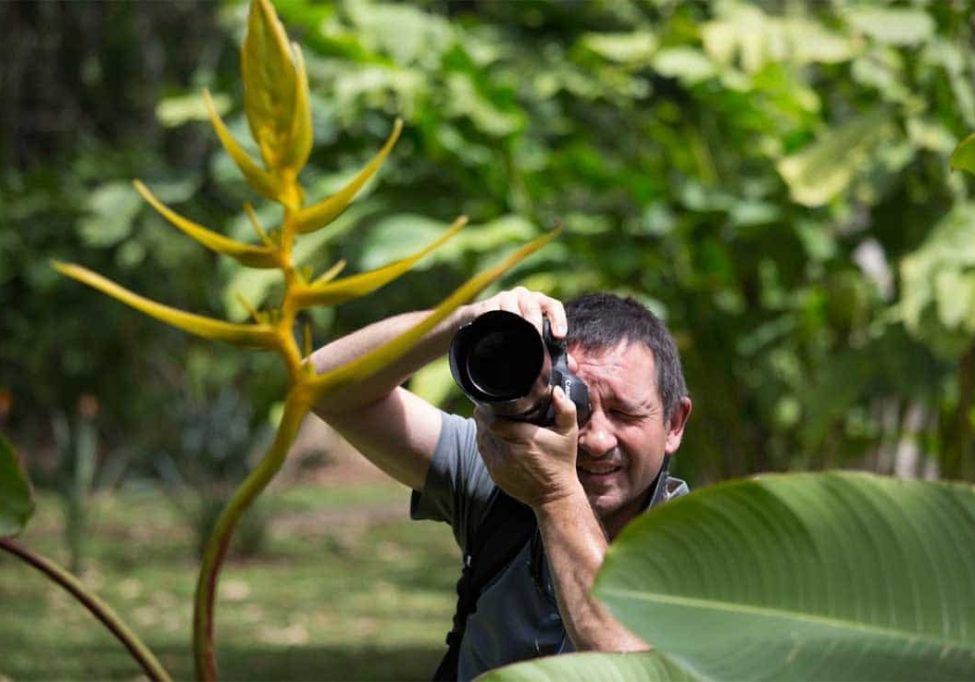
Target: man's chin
[(603, 502)]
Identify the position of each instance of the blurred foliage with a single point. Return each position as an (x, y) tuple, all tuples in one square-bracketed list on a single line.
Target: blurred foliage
[(770, 177)]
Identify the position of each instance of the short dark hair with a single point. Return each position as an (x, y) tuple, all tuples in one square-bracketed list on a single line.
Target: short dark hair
[(602, 321)]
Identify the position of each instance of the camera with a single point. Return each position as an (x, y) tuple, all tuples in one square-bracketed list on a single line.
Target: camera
[(502, 363)]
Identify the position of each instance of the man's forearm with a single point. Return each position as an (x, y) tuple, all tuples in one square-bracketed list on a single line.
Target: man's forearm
[(355, 345), (575, 546)]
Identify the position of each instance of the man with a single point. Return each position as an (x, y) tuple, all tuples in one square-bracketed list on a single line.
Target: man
[(584, 483)]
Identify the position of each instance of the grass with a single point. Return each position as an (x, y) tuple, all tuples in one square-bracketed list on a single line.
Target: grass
[(346, 589)]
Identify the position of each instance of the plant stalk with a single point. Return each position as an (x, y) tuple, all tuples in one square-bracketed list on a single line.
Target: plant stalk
[(295, 408), (102, 611)]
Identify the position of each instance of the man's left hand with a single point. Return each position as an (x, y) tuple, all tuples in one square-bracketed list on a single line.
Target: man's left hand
[(533, 464)]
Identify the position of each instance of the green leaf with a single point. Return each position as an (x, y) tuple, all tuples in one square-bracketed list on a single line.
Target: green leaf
[(686, 64), (963, 158), (836, 576), (590, 666), (893, 26), (112, 211), (827, 167), (16, 500), (636, 48)]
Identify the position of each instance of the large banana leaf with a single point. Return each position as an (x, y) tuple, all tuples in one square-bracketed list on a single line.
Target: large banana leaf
[(16, 500), (834, 576), (586, 667)]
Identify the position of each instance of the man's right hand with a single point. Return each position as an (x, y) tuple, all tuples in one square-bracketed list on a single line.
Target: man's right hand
[(530, 305)]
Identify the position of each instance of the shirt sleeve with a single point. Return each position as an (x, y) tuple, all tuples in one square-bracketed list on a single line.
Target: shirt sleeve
[(458, 486)]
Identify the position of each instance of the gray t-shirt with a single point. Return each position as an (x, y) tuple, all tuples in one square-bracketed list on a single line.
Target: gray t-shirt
[(515, 618)]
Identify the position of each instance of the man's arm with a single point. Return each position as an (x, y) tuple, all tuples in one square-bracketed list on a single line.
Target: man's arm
[(396, 430), (537, 466)]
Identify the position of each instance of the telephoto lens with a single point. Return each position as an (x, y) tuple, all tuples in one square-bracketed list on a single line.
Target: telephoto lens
[(502, 363)]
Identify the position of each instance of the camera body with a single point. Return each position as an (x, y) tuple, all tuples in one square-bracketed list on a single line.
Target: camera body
[(503, 364)]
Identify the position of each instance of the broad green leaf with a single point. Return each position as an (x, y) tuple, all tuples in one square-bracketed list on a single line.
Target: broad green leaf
[(585, 667), (260, 180), (247, 254), (269, 83), (335, 292), (251, 335), (894, 26), (827, 166), (371, 362), (319, 215), (838, 576), (16, 500), (963, 158)]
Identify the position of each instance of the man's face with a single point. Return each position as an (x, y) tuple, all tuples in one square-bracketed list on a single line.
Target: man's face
[(622, 446)]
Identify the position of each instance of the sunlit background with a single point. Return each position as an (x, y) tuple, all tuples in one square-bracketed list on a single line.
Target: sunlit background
[(771, 178)]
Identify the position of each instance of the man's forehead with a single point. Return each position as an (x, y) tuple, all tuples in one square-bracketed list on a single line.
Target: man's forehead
[(624, 372)]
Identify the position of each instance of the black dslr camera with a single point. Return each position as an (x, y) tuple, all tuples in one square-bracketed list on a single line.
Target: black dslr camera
[(502, 363)]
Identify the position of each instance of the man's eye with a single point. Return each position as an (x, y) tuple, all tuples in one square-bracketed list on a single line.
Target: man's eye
[(625, 416)]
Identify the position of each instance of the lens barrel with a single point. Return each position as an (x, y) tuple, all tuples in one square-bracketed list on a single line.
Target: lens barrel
[(501, 362)]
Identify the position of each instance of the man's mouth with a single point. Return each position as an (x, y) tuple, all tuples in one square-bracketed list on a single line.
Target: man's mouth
[(598, 471)]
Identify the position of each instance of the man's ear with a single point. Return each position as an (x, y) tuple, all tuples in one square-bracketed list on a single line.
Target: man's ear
[(675, 429)]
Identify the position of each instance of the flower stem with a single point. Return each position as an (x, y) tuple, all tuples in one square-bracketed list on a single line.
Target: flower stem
[(102, 611), (295, 408)]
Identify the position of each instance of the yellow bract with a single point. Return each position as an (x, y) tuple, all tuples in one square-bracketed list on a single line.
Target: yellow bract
[(260, 180), (252, 335), (348, 288), (315, 217), (269, 83), (275, 93), (247, 254)]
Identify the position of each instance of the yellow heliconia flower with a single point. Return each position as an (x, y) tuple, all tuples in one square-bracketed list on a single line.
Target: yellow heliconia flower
[(277, 108)]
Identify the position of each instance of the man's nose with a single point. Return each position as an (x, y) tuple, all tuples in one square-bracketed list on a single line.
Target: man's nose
[(597, 437)]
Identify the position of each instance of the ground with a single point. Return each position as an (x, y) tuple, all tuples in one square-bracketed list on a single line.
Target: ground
[(346, 588)]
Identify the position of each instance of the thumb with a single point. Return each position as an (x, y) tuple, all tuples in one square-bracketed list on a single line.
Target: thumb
[(565, 411)]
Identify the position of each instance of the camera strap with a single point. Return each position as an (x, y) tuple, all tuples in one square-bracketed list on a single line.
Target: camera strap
[(505, 529)]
